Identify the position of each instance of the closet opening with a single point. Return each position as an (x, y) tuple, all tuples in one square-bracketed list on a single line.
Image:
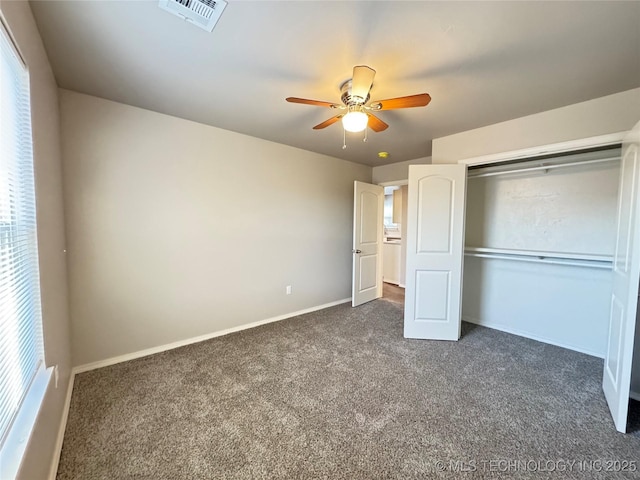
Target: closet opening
[(539, 244)]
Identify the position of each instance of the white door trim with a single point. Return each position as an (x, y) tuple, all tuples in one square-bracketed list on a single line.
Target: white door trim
[(554, 148)]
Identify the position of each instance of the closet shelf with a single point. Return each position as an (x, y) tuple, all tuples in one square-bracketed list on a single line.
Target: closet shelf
[(536, 256), (542, 166)]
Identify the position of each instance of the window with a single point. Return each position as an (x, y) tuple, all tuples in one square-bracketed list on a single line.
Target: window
[(21, 344), (388, 211)]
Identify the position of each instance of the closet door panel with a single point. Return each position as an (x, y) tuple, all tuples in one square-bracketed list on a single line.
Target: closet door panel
[(616, 379)]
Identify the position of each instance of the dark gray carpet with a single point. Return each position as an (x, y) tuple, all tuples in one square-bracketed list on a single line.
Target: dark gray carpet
[(340, 394)]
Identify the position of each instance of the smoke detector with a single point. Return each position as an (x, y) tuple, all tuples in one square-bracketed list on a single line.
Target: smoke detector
[(203, 13)]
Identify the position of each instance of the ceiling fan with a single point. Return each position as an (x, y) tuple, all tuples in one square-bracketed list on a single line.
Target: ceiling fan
[(355, 112)]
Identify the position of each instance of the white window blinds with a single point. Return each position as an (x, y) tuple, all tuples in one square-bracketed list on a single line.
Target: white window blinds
[(21, 349)]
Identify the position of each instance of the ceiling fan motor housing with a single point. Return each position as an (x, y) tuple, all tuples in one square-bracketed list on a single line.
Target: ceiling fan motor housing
[(349, 99)]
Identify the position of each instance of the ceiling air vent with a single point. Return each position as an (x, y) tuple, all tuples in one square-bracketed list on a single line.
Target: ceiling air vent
[(203, 13)]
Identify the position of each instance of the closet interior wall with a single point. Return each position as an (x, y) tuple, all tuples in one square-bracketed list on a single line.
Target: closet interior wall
[(539, 245)]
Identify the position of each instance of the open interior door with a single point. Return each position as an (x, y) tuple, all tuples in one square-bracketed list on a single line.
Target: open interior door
[(435, 249), (368, 204), (626, 274)]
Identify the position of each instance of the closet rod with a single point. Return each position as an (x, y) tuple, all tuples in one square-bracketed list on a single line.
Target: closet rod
[(541, 167), (550, 261), (582, 257)]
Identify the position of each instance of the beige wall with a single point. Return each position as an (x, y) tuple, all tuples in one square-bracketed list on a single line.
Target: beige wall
[(610, 114), (178, 229), (396, 171), (51, 238)]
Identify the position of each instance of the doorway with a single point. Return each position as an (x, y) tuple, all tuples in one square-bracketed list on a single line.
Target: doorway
[(394, 241)]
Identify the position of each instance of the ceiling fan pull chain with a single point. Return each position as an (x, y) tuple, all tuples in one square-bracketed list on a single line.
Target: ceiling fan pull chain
[(365, 135), (344, 139)]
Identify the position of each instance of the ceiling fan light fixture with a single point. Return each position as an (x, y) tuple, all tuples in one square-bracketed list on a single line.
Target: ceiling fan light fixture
[(355, 121), (356, 114)]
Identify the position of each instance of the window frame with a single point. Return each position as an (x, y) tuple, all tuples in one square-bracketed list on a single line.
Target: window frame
[(20, 428)]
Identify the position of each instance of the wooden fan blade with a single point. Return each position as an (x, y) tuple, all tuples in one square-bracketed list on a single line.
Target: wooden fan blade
[(420, 100), (376, 124), (305, 101), (326, 123), (362, 81)]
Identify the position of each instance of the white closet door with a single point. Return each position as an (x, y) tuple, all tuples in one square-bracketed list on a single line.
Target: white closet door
[(435, 249), (626, 274), (368, 204)]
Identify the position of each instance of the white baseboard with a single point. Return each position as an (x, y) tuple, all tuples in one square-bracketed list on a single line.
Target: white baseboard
[(61, 429), (634, 395), (522, 333), (181, 343)]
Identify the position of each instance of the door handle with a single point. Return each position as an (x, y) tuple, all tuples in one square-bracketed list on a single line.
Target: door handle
[(357, 251)]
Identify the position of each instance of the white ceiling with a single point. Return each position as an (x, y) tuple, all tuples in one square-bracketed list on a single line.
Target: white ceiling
[(482, 63)]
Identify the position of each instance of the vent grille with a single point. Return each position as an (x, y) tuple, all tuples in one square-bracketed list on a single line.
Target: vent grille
[(203, 13)]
